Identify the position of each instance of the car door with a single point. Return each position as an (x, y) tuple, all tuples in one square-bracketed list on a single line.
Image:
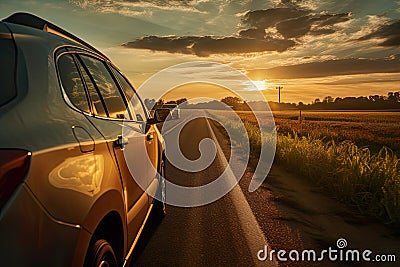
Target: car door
[(125, 136), (151, 143)]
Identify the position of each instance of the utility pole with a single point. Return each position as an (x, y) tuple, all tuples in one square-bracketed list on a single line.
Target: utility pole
[(279, 93)]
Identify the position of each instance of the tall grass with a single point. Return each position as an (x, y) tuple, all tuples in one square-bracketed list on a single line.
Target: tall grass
[(369, 182)]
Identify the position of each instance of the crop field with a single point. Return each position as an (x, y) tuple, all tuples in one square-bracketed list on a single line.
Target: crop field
[(353, 155), (366, 129)]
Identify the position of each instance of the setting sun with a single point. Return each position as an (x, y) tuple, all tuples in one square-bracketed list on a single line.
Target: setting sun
[(261, 85), (258, 85)]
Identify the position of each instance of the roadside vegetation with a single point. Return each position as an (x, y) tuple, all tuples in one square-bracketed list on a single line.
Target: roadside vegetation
[(366, 129), (351, 155), (366, 181)]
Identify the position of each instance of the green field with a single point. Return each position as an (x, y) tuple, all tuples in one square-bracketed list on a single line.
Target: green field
[(352, 155)]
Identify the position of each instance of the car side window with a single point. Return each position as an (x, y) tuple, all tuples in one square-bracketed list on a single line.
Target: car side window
[(97, 102), (72, 83), (131, 96), (115, 105)]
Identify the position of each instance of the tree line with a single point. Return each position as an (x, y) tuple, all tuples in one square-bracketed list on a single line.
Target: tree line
[(372, 102)]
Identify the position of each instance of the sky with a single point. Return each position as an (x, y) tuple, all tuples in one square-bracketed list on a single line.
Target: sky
[(311, 48)]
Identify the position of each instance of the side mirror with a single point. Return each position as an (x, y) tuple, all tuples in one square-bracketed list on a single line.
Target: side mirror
[(159, 115)]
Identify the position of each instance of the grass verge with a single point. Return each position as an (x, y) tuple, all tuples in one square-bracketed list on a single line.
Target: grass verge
[(369, 182)]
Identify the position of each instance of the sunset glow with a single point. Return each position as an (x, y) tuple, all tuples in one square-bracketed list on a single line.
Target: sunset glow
[(258, 85), (315, 48)]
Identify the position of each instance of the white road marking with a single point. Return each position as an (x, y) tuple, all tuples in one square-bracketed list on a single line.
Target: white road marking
[(254, 236)]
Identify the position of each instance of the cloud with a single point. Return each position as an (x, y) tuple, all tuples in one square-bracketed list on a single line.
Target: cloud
[(275, 29), (389, 33), (294, 22), (204, 46), (322, 31), (295, 28), (310, 4), (138, 7), (349, 66), (252, 33), (267, 18)]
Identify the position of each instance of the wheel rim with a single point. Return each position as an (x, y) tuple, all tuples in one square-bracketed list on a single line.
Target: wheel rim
[(104, 263), (102, 255)]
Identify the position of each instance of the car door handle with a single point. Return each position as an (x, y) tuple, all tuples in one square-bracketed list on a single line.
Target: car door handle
[(120, 142), (149, 137)]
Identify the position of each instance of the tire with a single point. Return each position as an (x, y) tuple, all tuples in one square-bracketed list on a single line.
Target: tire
[(159, 209), (101, 254)]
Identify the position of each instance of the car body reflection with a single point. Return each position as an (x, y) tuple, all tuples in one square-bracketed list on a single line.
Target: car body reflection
[(83, 174)]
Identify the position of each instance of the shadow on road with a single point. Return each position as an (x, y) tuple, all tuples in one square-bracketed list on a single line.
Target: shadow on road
[(150, 228)]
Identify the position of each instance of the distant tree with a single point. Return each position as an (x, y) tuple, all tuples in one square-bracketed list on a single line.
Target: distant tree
[(373, 98), (373, 102), (181, 100), (328, 99), (159, 103), (397, 96), (376, 98), (393, 97), (231, 101)]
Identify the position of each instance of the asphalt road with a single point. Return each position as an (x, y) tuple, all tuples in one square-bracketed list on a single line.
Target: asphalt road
[(223, 233)]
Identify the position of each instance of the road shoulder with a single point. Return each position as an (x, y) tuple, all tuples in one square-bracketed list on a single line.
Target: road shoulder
[(295, 214)]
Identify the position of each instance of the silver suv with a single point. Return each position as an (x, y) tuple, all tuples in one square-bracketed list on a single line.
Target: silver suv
[(68, 195)]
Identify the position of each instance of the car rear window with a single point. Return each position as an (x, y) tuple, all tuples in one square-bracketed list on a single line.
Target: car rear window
[(8, 90)]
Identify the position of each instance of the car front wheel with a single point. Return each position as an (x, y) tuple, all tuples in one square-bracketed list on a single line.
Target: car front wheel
[(101, 254)]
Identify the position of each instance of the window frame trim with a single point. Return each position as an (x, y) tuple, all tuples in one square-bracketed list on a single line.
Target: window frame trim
[(95, 87), (78, 50)]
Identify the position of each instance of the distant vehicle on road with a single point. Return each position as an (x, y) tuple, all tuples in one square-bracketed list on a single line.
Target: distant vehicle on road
[(67, 196), (174, 108)]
